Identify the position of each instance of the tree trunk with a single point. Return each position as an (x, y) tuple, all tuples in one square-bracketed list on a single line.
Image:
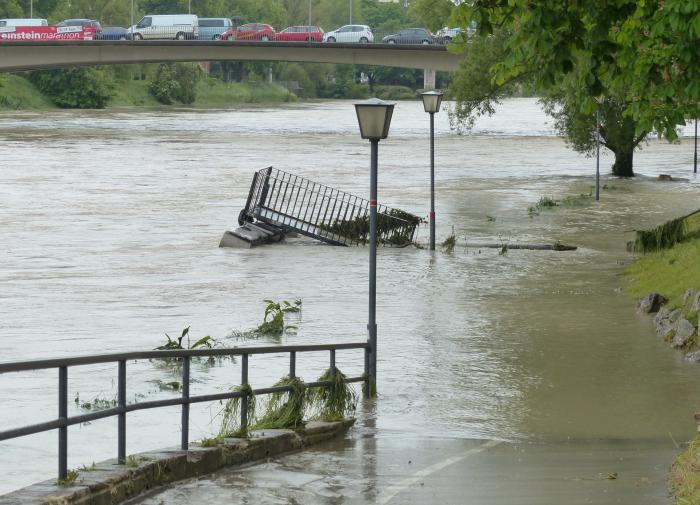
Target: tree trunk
[(623, 162)]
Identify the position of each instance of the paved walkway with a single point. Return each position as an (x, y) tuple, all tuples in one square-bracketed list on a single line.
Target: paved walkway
[(384, 468)]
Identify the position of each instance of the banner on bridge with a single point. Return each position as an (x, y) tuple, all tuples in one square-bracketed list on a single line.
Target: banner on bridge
[(18, 33)]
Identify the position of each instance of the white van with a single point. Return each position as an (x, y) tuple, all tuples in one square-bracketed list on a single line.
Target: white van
[(23, 22), (170, 26)]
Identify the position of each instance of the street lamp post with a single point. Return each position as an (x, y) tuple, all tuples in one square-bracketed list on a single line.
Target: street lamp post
[(597, 150), (695, 154), (31, 9), (431, 103), (374, 118)]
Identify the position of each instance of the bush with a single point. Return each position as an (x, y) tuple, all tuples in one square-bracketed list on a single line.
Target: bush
[(78, 88), (176, 82)]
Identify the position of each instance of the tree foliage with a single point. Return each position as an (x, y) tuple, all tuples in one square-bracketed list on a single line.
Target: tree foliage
[(175, 82), (79, 88), (648, 49), (432, 14)]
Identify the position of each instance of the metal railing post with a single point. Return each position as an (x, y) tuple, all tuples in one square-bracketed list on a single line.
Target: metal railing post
[(185, 443), (332, 368), (292, 365), (63, 416), (244, 400), (121, 399)]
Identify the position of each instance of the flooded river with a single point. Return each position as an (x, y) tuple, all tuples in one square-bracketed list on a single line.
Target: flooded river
[(110, 223)]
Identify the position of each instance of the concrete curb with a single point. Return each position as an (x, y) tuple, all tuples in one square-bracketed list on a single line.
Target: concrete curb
[(110, 483)]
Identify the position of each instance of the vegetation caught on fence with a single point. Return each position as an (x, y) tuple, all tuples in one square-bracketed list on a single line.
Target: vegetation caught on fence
[(394, 227), (287, 409), (668, 234)]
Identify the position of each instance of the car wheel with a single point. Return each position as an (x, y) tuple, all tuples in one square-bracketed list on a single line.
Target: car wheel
[(138, 36), (216, 37), (391, 41), (447, 40), (364, 40), (180, 36), (122, 37), (425, 42), (330, 39), (265, 38)]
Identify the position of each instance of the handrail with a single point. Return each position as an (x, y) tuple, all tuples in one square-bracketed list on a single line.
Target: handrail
[(63, 421)]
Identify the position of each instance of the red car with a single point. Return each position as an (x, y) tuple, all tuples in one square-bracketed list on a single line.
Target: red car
[(251, 31), (301, 34)]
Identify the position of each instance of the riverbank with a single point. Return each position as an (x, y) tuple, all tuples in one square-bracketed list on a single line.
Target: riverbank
[(18, 93)]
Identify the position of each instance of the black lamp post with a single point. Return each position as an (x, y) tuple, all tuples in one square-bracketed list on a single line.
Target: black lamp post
[(695, 153), (374, 117), (431, 103)]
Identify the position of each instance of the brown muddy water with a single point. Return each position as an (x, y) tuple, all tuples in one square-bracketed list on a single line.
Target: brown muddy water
[(110, 223)]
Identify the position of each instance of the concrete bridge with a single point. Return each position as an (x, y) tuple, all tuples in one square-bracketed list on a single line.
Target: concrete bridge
[(35, 55)]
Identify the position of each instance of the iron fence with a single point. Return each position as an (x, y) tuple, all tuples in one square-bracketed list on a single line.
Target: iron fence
[(321, 212), (62, 422)]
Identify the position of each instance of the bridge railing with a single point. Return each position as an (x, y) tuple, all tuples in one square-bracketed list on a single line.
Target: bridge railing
[(322, 212), (63, 421)]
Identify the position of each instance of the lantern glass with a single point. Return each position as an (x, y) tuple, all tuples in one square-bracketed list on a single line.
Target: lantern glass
[(432, 101), (374, 118)]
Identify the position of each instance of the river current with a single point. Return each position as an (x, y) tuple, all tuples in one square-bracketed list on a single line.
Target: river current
[(110, 223)]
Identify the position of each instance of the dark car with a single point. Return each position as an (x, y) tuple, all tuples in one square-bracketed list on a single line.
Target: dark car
[(82, 22), (113, 33), (410, 36)]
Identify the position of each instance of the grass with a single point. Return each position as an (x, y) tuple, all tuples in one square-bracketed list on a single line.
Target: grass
[(669, 272), (69, 479), (212, 92), (130, 93), (684, 478), (448, 245), (16, 92), (285, 409)]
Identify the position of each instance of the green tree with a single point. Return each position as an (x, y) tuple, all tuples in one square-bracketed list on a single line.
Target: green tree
[(332, 14), (433, 14), (78, 88), (176, 82), (107, 12), (476, 93), (646, 48), (11, 9)]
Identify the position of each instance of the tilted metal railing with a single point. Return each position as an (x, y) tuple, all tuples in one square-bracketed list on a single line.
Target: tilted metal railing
[(321, 212), (62, 422)]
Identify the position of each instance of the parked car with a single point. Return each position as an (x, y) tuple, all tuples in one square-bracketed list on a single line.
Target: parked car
[(113, 33), (171, 26), (410, 36), (82, 22), (250, 31), (350, 33), (212, 28), (447, 35), (23, 22), (301, 34)]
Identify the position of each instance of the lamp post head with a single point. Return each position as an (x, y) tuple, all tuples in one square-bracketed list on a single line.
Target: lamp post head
[(374, 118), (432, 101)]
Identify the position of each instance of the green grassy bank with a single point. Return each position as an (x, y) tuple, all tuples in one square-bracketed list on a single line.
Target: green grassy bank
[(684, 479), (669, 272), (17, 93)]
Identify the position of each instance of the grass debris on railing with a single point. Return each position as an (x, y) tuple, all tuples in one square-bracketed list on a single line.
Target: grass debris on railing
[(69, 479), (668, 234), (172, 344), (336, 402), (231, 415), (394, 227), (285, 409)]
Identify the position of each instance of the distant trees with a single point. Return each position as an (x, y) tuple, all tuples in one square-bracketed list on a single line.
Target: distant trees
[(176, 82)]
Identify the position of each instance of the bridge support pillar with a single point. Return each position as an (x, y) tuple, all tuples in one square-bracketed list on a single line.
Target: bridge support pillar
[(428, 79)]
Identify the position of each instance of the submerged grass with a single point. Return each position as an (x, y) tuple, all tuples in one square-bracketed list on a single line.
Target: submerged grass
[(669, 272), (684, 479)]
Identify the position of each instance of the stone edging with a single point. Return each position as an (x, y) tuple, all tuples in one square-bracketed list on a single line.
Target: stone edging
[(110, 483), (678, 327)]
